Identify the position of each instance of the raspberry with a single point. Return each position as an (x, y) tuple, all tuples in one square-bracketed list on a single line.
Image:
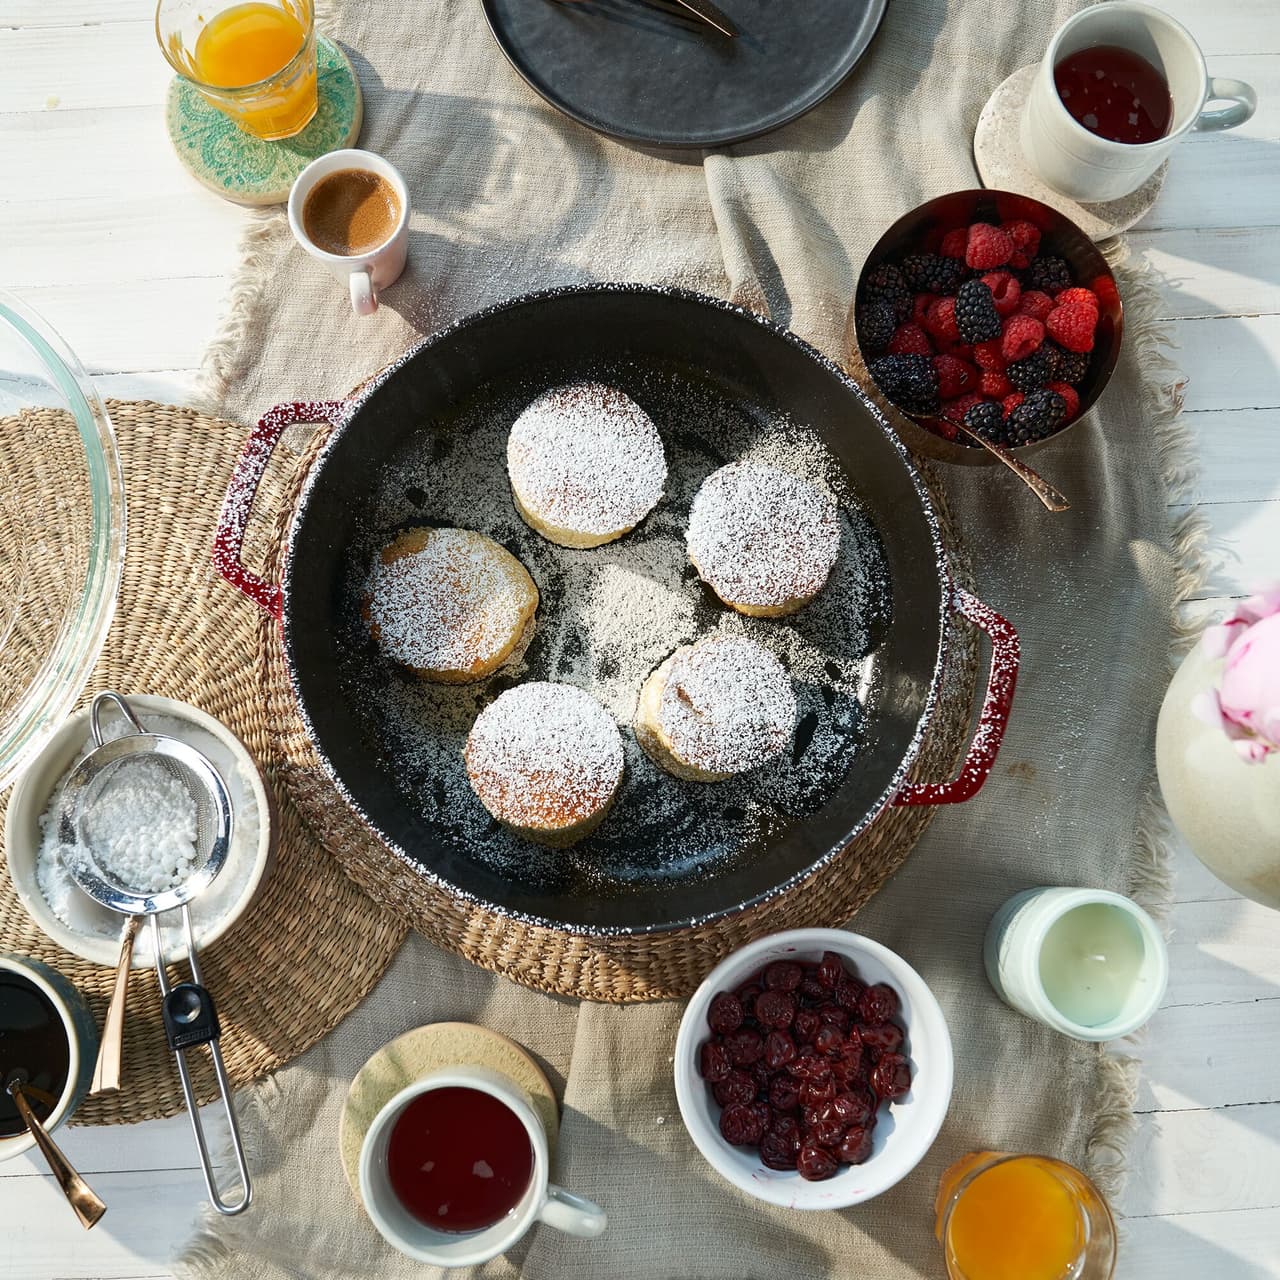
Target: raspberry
[(987, 247), (955, 410), (932, 273), (961, 351), (1005, 291), (1025, 236), (885, 284), (1070, 398), (1039, 415), (976, 315), (1049, 275), (910, 381), (1022, 335), (940, 320), (910, 339), (1010, 403), (954, 242), (920, 305), (954, 376), (987, 355), (994, 385), (1071, 326), (1085, 297), (1035, 304), (876, 324), (1031, 372)]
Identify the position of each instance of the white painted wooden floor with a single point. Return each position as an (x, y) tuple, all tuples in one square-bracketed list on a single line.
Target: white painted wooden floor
[(103, 232)]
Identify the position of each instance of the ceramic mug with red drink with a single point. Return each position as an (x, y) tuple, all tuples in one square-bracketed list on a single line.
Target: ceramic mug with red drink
[(1120, 85), (454, 1170)]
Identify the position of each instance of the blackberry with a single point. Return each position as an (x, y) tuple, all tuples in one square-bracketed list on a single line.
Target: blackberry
[(1039, 415), (911, 382), (1033, 372), (1072, 366), (876, 324), (976, 315), (932, 273), (885, 284), (987, 419), (1049, 275)]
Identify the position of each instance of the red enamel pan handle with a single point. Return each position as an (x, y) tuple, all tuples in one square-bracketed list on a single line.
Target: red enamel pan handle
[(1005, 656), (228, 541)]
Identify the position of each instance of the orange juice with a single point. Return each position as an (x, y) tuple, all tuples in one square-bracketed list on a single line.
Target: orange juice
[(255, 44)]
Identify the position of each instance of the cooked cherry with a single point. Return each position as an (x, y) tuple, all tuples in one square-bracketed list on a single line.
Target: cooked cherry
[(848, 993), (713, 1062), (744, 1047), (855, 1146), (786, 1126), (830, 970), (747, 994), (784, 1094), (778, 1152), (846, 1109), (805, 1025), (724, 1014), (783, 975), (810, 1065), (877, 1004), (834, 1016), (827, 1134), (776, 1009), (761, 1075), (890, 1077), (740, 1126), (815, 1163), (815, 1091), (811, 991), (737, 1086), (884, 1037), (779, 1049), (829, 1041)]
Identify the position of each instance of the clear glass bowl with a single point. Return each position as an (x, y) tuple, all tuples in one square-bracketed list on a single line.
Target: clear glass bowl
[(62, 532)]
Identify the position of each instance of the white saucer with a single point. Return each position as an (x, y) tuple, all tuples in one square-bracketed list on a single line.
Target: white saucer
[(997, 151)]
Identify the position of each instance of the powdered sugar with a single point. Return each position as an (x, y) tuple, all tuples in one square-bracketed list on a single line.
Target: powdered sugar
[(762, 537), (727, 705), (544, 755), (446, 600), (586, 458)]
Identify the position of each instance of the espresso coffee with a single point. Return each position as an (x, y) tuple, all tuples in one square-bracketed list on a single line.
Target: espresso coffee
[(351, 212), (33, 1050)]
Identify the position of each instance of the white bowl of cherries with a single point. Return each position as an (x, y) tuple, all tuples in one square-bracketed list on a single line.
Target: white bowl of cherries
[(813, 1068)]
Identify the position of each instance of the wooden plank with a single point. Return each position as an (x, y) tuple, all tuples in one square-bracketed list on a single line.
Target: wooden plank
[(1233, 1245), (1218, 180), (73, 13), (148, 1217), (1230, 361), (1239, 452), (1242, 547), (169, 386), (1205, 1162), (75, 68), (1238, 26), (1226, 271), (1208, 943), (156, 1144), (138, 326)]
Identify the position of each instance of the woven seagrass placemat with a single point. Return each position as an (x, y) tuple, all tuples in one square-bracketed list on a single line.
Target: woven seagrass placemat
[(312, 945), (627, 968)]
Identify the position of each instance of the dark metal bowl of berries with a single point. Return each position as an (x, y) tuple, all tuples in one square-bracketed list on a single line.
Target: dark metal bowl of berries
[(991, 309), (813, 1068)]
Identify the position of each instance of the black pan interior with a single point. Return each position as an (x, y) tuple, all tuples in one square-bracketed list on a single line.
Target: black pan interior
[(672, 852)]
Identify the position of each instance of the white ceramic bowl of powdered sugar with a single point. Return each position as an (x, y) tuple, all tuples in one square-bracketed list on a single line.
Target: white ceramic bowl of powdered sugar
[(57, 905)]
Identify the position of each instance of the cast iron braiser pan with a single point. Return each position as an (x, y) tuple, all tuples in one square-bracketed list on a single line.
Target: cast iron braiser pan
[(753, 360)]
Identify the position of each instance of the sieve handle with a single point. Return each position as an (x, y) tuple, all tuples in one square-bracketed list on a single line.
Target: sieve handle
[(994, 717), (233, 520)]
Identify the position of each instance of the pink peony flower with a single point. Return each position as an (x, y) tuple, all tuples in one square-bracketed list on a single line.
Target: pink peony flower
[(1246, 705)]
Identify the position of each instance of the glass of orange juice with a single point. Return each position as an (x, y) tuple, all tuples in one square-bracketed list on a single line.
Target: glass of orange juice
[(254, 60), (1011, 1217)]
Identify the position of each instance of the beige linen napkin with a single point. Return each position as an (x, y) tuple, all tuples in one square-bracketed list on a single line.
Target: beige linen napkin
[(509, 196)]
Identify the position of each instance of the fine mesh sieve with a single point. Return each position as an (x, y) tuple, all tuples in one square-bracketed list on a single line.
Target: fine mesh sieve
[(190, 1017)]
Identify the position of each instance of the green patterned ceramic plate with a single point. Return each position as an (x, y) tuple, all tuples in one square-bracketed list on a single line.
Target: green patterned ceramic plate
[(240, 167)]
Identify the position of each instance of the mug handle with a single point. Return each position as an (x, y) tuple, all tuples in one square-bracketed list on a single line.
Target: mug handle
[(364, 302), (575, 1215), (1244, 102)]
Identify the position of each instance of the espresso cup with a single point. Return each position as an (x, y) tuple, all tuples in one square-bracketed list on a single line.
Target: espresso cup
[(369, 272), (1082, 165), (542, 1200), (81, 1046)]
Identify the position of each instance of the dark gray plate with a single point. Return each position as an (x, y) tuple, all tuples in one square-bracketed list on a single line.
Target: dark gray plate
[(643, 72)]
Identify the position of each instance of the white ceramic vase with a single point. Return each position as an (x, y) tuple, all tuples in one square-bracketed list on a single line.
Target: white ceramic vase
[(1227, 809)]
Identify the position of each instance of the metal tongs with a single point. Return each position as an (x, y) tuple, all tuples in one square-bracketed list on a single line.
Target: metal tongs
[(190, 1018)]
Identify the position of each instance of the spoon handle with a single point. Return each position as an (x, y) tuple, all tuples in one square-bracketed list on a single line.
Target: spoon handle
[(88, 1208), (106, 1075), (1051, 497)]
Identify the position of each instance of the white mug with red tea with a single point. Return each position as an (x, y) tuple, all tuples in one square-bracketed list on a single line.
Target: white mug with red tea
[(1120, 85), (350, 210), (454, 1170)]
